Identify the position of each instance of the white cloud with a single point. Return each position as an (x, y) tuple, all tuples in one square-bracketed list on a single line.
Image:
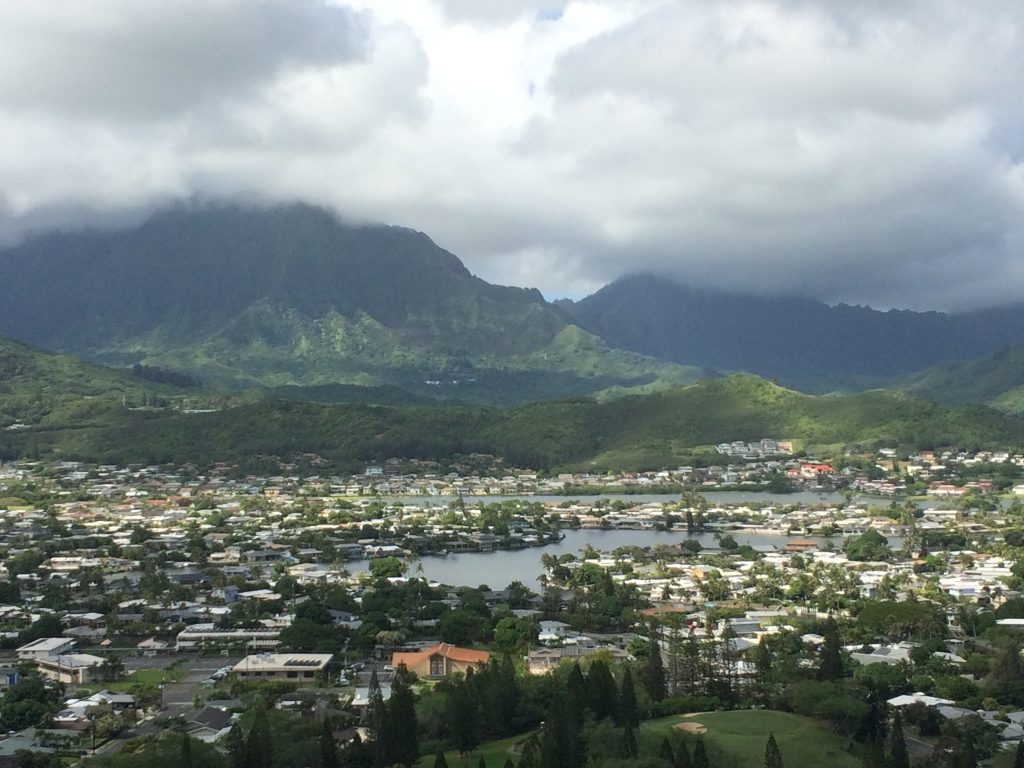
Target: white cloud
[(867, 152)]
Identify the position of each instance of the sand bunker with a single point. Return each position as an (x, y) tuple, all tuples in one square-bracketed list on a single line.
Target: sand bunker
[(697, 728)]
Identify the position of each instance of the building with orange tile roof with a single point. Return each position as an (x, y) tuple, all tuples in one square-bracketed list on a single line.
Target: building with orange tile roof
[(440, 660)]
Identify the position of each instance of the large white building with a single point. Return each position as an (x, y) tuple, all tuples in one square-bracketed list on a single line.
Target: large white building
[(298, 668), (207, 635), (45, 647)]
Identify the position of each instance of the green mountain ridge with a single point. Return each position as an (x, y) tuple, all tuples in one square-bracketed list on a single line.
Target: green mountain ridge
[(42, 389), (290, 295), (997, 380), (634, 432)]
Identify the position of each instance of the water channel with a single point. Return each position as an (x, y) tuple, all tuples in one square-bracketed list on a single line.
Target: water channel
[(498, 569)]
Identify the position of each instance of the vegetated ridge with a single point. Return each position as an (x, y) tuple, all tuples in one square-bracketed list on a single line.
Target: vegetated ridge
[(635, 432), (997, 380), (290, 295), (44, 390), (800, 342)]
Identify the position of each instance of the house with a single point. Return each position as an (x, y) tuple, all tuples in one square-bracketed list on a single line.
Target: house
[(540, 661), (152, 647), (440, 660), (209, 724), (45, 647), (71, 668)]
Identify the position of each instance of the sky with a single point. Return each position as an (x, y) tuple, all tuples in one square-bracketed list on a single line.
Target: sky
[(870, 152)]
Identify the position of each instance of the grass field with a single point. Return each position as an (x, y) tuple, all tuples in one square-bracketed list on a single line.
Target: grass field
[(494, 753), (170, 674), (735, 739), (738, 738)]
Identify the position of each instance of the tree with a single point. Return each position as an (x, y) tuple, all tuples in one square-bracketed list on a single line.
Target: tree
[(1005, 680), (683, 756), (602, 695), (627, 746), (386, 567), (259, 747), (328, 748), (463, 710), (112, 667), (511, 633), (762, 660), (831, 666), (628, 714), (377, 719), (870, 545), (666, 753), (700, 755), (401, 714), (772, 755), (898, 757), (234, 743), (356, 755), (1018, 757), (439, 760), (530, 755), (652, 673)]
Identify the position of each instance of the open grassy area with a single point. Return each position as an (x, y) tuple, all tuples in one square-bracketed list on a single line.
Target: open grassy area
[(738, 738), (735, 739), (494, 753), (170, 674)]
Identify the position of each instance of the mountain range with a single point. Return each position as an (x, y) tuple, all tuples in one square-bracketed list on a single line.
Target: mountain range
[(292, 299), (800, 342), (243, 334), (290, 295)]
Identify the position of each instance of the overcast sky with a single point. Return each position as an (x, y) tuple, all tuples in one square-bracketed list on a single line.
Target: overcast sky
[(868, 151)]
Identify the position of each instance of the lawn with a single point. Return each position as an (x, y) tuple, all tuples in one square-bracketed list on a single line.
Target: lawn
[(170, 674), (738, 737), (494, 753)]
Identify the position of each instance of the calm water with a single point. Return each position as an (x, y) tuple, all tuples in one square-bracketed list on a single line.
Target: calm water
[(713, 497), (498, 569)]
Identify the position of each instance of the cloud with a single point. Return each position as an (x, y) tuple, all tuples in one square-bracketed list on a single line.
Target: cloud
[(867, 152), (150, 59)]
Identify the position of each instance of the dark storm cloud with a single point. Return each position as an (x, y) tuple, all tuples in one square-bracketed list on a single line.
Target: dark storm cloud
[(869, 152)]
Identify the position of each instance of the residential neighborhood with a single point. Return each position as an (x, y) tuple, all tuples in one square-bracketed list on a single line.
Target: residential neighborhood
[(137, 600)]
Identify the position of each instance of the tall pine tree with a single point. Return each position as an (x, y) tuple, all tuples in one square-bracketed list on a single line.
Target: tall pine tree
[(772, 755), (328, 747), (652, 673), (529, 757), (259, 747), (234, 743), (402, 727), (683, 756), (377, 722), (666, 753), (700, 755), (602, 694), (898, 757), (831, 666), (628, 712), (627, 745)]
